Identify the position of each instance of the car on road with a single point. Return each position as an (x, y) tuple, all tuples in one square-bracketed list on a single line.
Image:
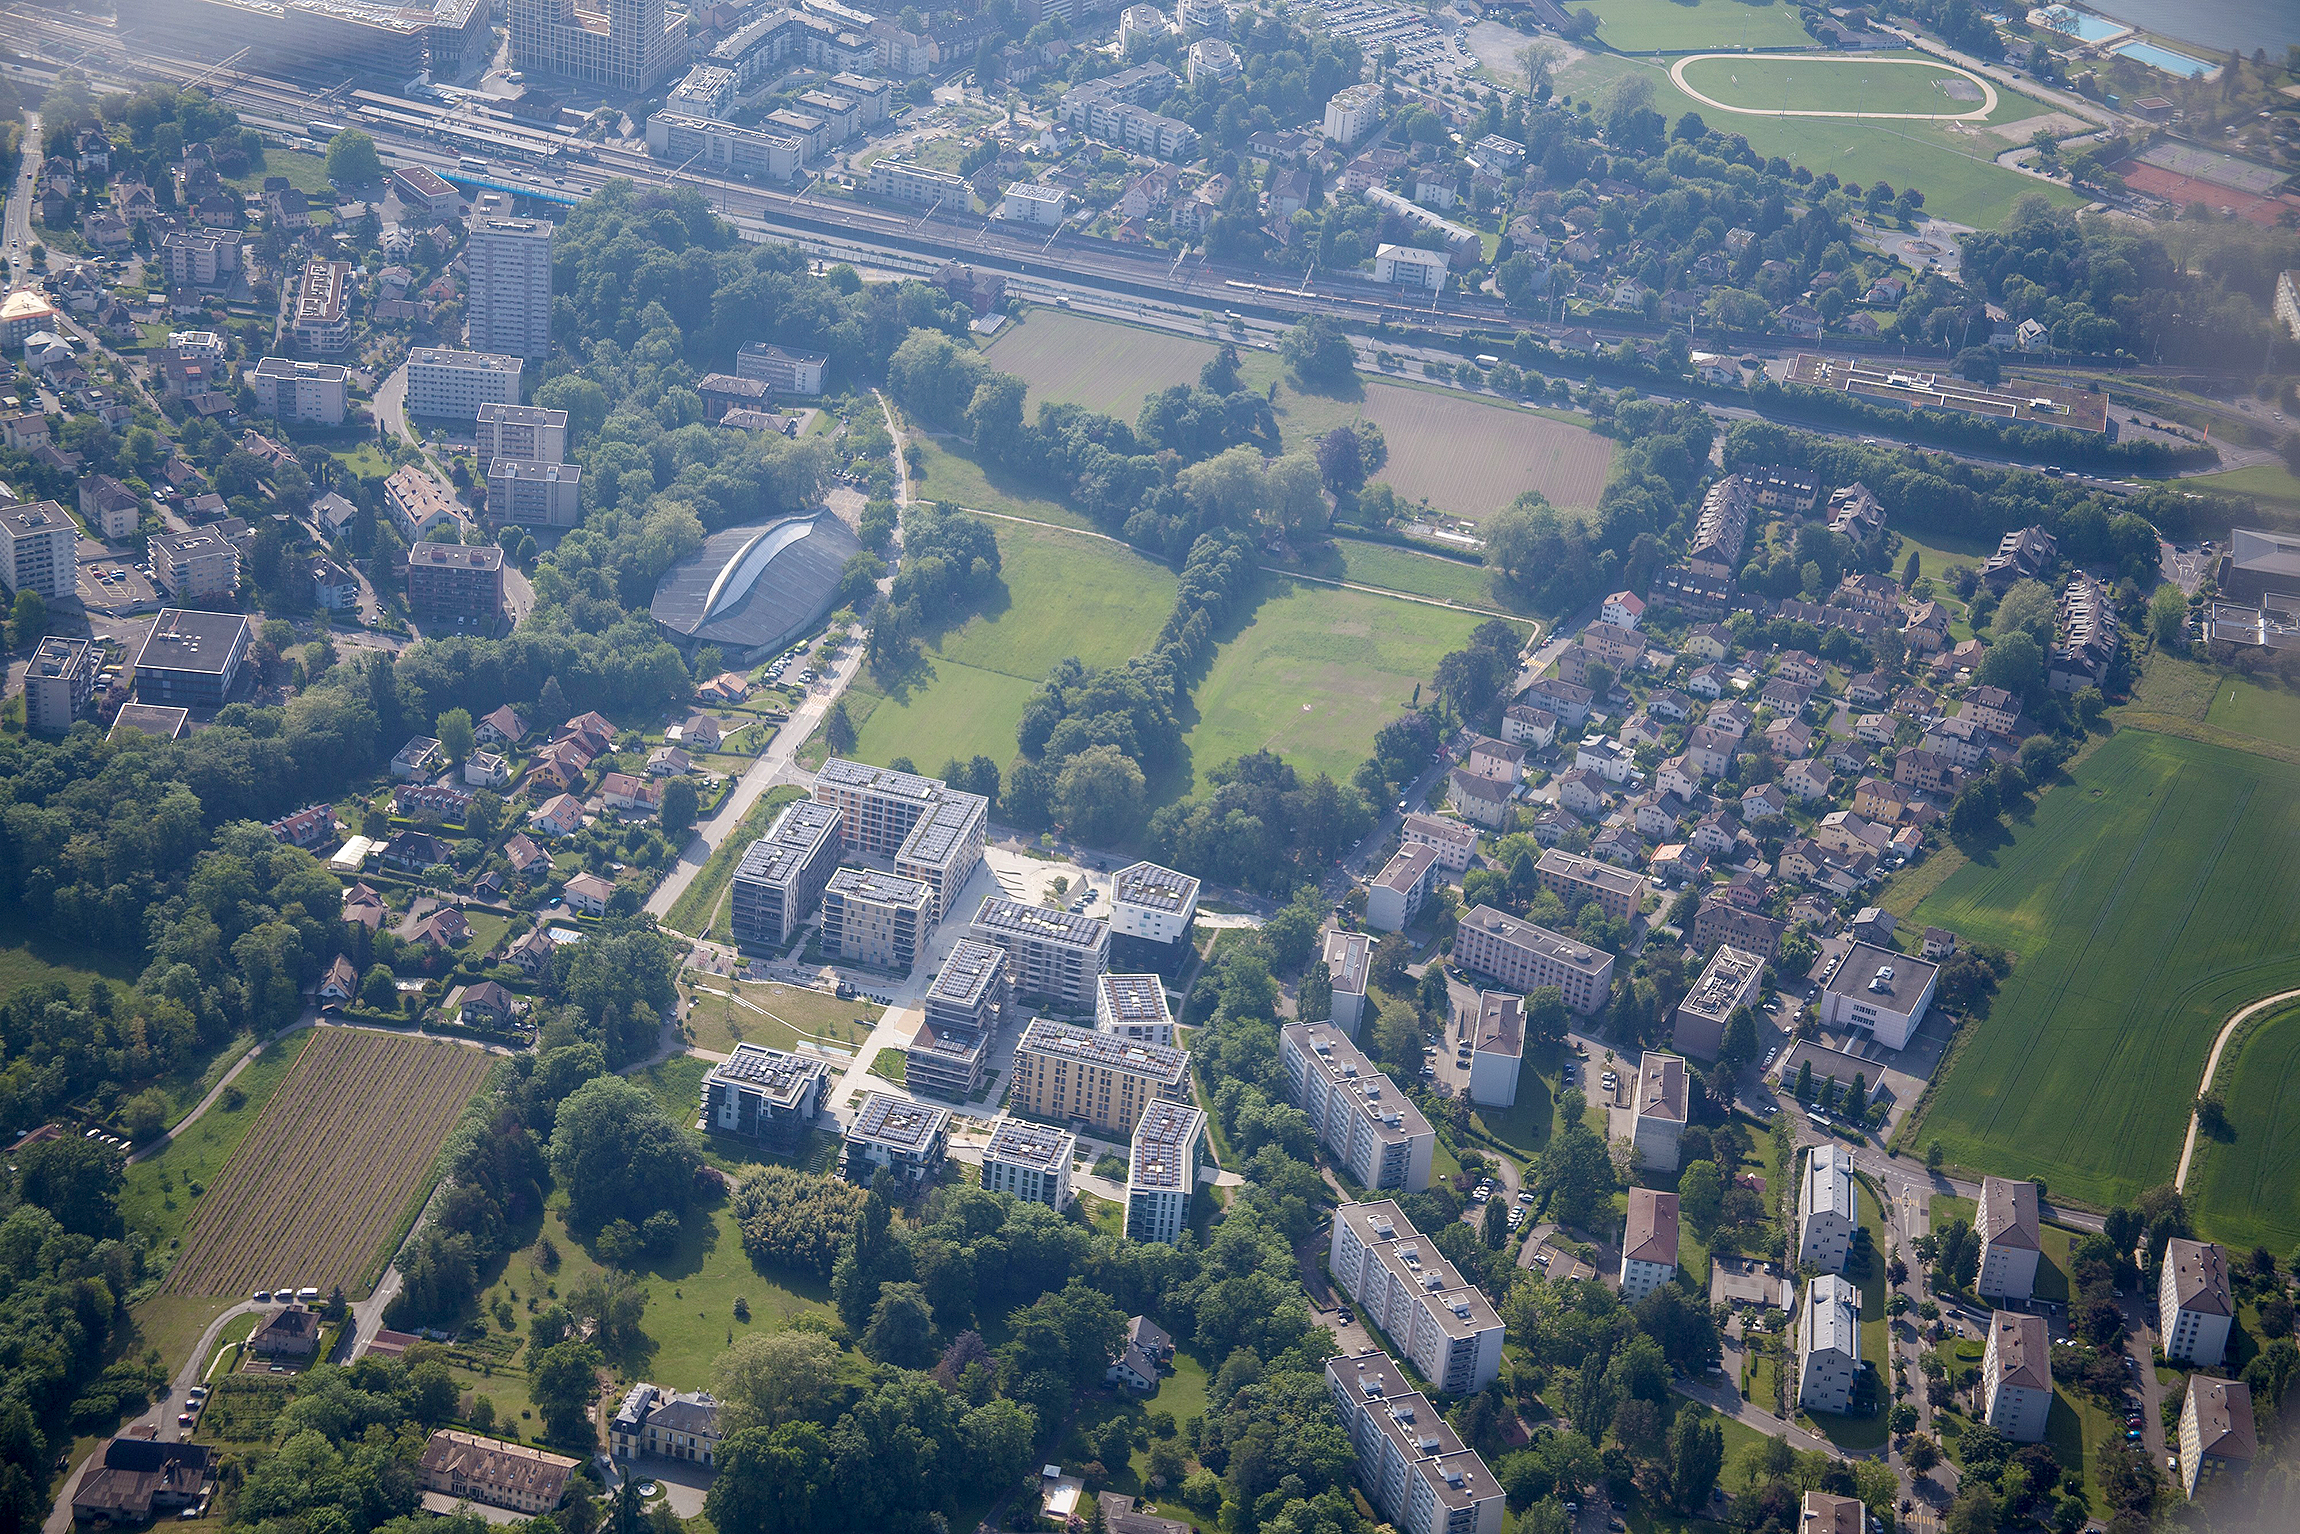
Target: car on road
[(1347, 1318), (1525, 1195), (1610, 1081)]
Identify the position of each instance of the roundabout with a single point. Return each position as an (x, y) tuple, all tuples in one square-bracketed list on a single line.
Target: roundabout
[(1778, 71)]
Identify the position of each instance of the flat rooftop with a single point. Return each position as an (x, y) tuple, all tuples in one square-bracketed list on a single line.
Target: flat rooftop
[(1153, 888), (1017, 1142), (1161, 1151), (878, 888), (1881, 977), (968, 974), (182, 639), (1392, 1114), (1135, 999), (481, 557), (1038, 923), (840, 773), (898, 1123), (798, 831), (449, 357), (1406, 868), (1521, 933), (1044, 1036), (942, 829), (1725, 982), (151, 719), (38, 519), (781, 1076)]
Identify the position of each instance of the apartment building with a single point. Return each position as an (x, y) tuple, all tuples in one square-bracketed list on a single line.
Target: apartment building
[(527, 432), (195, 567), (780, 880), (1497, 1048), (1826, 1213), (110, 507), (1352, 112), (1575, 879), (534, 493), (452, 385), (38, 542), (1721, 528), (2218, 1437), (1030, 1161), (1133, 1007), (875, 919), (1827, 1513), (783, 369), (1153, 903), (1026, 202), (689, 137), (1412, 1465), (1829, 1345), (1162, 1171), (1362, 1119), (1658, 1109), (2011, 1239), (456, 583), (945, 847), (2016, 1376), (470, 1468), (1058, 956), (1348, 955), (1397, 892), (1721, 921), (1732, 979), (314, 393), (1446, 1328), (1453, 841), (509, 299), (769, 1095), (1065, 1072), (896, 1134), (1648, 1244), (921, 186), (419, 505), (2193, 1305), (59, 685), (322, 324), (200, 258), (878, 807), (191, 659), (970, 996), (1523, 957)]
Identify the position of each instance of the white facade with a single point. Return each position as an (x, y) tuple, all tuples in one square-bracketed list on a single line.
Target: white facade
[(901, 181), (1497, 1049), (1648, 1244), (2193, 1303), (454, 384), (1151, 902), (1362, 1119), (1412, 1465), (1026, 202), (1410, 266), (1134, 1007), (1446, 1328), (522, 431), (1030, 1161), (1348, 956), (1659, 1109), (724, 145), (1397, 893), (1829, 1345), (312, 392), (1826, 1213), (2010, 1239), (1352, 113), (2016, 1376), (1454, 841), (1162, 1171), (38, 543), (1880, 991), (510, 296)]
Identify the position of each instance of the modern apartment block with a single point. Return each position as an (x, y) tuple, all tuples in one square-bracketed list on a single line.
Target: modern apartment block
[(1648, 1244), (1153, 903), (1573, 879), (899, 180), (781, 368), (199, 566), (875, 919), (59, 685), (322, 323), (191, 659), (2011, 1239), (2193, 1305), (509, 303), (452, 384), (313, 393), (454, 582), (1363, 1120), (1412, 1465), (943, 850), (534, 493), (1659, 1109), (1133, 1007), (626, 46), (1396, 894), (1517, 954), (1731, 979), (38, 542), (528, 432), (1162, 1171), (894, 1133), (1030, 1161), (1826, 1213), (1349, 955), (781, 877), (2016, 1376), (1829, 1345), (964, 1006), (2218, 1437), (769, 1095), (1058, 955), (1062, 1072), (1446, 1327), (878, 806)]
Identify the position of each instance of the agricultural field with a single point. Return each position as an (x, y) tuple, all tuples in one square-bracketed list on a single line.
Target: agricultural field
[(330, 1167), (2145, 900), (1314, 673), (2241, 1187), (156, 1199), (1676, 26)]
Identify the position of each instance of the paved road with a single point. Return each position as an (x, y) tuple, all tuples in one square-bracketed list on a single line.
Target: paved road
[(18, 234)]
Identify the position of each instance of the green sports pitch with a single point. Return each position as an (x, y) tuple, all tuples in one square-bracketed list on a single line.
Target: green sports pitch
[(1861, 85), (2147, 899), (1683, 26)]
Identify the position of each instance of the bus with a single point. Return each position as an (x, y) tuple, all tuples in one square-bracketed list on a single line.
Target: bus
[(471, 164)]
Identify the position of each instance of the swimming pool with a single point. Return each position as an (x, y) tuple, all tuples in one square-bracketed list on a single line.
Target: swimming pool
[(2179, 65), (2078, 24)]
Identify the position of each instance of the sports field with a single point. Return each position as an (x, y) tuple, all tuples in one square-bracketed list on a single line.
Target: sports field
[(1867, 84), (1067, 594), (2264, 713), (1678, 26), (2146, 901), (1316, 673), (2241, 1190)]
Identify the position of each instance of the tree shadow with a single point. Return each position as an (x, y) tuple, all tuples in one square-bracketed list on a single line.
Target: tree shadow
[(1350, 389)]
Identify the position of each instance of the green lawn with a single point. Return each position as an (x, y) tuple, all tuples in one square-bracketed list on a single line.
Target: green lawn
[(946, 474), (1401, 570), (366, 461), (2146, 900), (1315, 673), (1868, 82), (783, 1015), (1682, 26), (696, 910), (1180, 1394), (1105, 366), (1868, 1270), (2241, 1188), (2247, 708), (31, 957), (2268, 481), (307, 173), (156, 1199)]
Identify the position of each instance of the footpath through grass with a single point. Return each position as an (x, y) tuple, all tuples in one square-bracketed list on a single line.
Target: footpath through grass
[(2146, 899), (696, 910)]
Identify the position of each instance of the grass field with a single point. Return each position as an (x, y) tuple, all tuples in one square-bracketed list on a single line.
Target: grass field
[(332, 1162), (156, 1199), (1954, 165), (30, 957), (695, 912), (2268, 481), (1682, 26), (1103, 366), (2146, 900), (2241, 1189), (1396, 569), (1315, 673), (778, 1016), (2247, 708), (1869, 82), (1066, 595), (947, 474)]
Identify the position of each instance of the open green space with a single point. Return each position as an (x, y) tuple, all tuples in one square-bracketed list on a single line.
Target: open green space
[(157, 1198), (31, 957), (950, 710), (365, 461), (2269, 481), (1181, 1395), (771, 1013), (1857, 83), (1686, 26), (2240, 1188), (1403, 570), (1314, 673), (2247, 708), (946, 473), (1953, 164), (307, 173), (2146, 898), (1103, 366)]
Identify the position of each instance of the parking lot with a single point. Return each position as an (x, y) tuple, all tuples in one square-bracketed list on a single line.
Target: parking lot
[(110, 583)]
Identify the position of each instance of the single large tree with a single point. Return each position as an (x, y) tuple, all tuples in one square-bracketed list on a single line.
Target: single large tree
[(619, 1155)]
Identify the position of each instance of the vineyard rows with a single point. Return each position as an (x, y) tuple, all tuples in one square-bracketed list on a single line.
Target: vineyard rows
[(330, 1166)]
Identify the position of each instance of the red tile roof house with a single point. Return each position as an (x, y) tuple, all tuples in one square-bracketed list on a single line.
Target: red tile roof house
[(442, 928), (561, 816), (621, 791), (589, 894)]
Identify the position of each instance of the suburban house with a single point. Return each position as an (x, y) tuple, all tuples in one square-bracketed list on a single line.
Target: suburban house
[(1481, 799), (504, 727), (621, 791), (142, 1476), (588, 894), (489, 1004), (340, 985), (561, 815), (441, 928), (292, 1335)]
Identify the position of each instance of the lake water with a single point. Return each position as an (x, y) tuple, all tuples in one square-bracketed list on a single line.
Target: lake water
[(2219, 24)]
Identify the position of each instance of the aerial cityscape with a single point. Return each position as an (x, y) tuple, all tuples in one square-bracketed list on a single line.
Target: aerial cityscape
[(1218, 767)]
